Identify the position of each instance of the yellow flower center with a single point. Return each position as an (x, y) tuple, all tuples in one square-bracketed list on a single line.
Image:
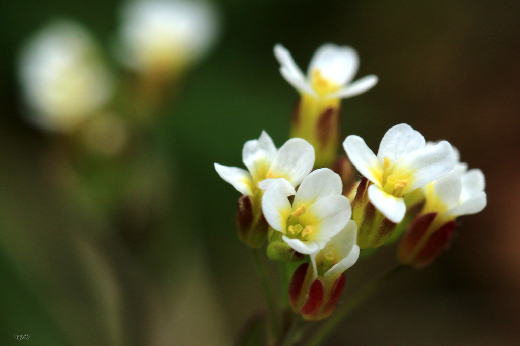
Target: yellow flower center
[(393, 182), (296, 227), (321, 85)]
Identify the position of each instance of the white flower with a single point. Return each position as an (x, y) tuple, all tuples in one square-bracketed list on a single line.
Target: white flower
[(318, 211), (63, 79), (457, 193), (293, 161), (340, 253), (403, 164), (330, 73), (165, 35)]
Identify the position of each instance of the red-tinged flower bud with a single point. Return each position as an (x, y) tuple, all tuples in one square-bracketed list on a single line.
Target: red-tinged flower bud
[(251, 224), (317, 121), (424, 240), (344, 169), (374, 229), (315, 299)]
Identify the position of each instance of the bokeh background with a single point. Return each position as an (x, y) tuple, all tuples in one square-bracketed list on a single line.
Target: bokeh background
[(71, 276)]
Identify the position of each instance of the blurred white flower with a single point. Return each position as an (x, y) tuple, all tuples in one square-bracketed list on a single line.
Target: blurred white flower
[(164, 36), (63, 78)]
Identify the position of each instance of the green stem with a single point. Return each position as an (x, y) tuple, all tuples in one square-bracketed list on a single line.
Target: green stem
[(350, 305), (291, 337), (271, 303)]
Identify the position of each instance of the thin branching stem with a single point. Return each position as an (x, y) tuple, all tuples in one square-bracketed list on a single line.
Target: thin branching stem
[(354, 301), (274, 321)]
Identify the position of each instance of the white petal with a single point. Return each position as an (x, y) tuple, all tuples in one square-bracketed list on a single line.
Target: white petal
[(399, 141), (301, 85), (473, 182), (329, 214), (448, 188), (358, 87), (320, 183), (335, 63), (390, 206), (344, 264), (289, 70), (363, 159), (258, 155), (426, 165), (343, 242), (472, 206), (275, 205), (305, 248), (239, 178), (293, 161)]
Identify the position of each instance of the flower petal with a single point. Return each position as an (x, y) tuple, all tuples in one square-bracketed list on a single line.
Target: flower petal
[(329, 214), (258, 155), (363, 159), (293, 161), (275, 205), (318, 184), (426, 165), (344, 264), (448, 188), (239, 178), (290, 71), (399, 141), (471, 206), (390, 206), (335, 63), (305, 248), (473, 182), (358, 87)]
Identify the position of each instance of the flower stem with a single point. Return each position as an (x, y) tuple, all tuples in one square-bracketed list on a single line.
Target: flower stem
[(292, 335), (324, 331), (269, 297)]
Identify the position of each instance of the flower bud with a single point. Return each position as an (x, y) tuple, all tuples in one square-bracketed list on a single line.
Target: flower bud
[(374, 229), (424, 240), (315, 299), (251, 224), (317, 121), (344, 169)]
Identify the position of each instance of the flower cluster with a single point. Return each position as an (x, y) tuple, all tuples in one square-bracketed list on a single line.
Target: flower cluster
[(305, 214)]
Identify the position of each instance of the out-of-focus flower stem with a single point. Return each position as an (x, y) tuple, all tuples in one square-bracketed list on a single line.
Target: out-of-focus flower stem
[(273, 319), (354, 301), (293, 333)]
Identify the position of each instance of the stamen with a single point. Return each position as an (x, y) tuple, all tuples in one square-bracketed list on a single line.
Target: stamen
[(308, 230), (290, 229), (401, 183), (386, 163), (270, 175), (300, 211)]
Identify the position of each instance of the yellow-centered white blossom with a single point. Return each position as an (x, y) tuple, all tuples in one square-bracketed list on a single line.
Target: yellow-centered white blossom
[(330, 72), (403, 164), (63, 78), (317, 213), (293, 161), (339, 254), (459, 192)]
